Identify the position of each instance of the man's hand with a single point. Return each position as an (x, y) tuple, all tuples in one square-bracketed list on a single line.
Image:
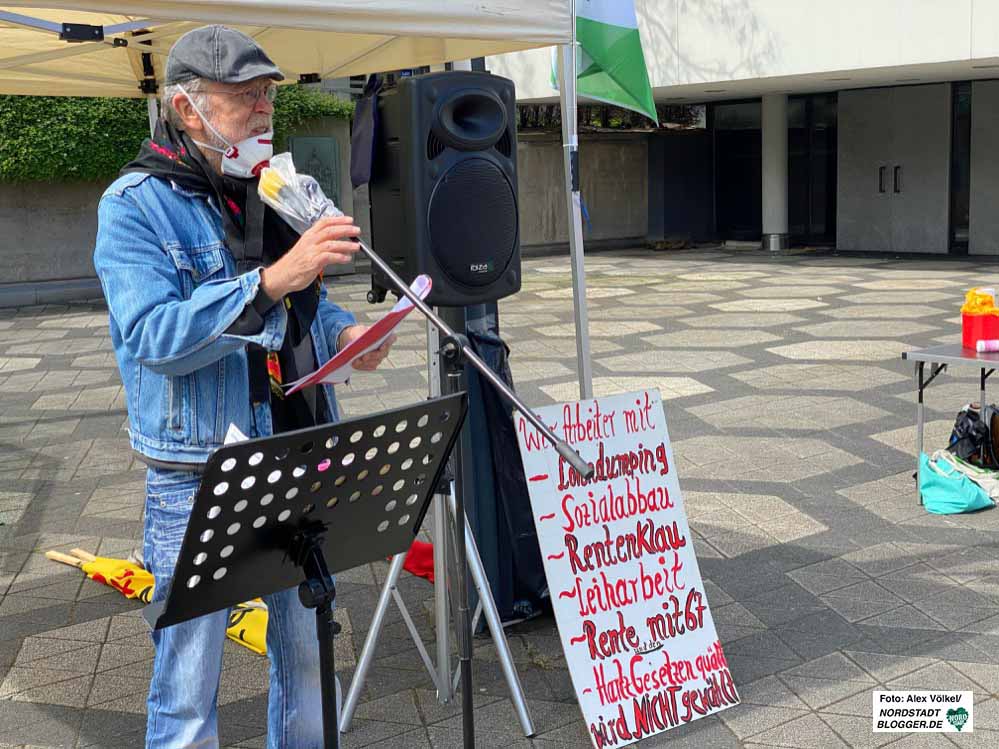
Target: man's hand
[(326, 242), (370, 360)]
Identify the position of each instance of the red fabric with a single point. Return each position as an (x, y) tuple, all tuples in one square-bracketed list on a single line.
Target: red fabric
[(420, 560)]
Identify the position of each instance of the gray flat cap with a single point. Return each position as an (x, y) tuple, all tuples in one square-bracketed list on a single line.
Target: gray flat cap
[(218, 53)]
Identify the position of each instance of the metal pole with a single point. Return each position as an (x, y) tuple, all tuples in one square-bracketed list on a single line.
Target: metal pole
[(463, 621), (486, 603), (489, 610), (443, 510), (512, 399), (368, 651), (326, 626), (919, 426), (570, 163), (152, 108), (455, 347), (442, 616)]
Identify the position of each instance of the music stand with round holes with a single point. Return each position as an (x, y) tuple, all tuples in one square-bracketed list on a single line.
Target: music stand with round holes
[(291, 509)]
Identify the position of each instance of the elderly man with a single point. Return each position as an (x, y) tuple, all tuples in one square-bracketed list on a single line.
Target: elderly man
[(215, 303)]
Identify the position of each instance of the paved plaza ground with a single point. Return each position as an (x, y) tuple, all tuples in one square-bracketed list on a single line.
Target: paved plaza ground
[(792, 418)]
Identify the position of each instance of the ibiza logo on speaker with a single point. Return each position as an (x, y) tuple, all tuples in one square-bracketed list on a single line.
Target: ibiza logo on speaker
[(486, 267)]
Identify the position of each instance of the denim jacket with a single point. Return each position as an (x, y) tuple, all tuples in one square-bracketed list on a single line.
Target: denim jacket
[(173, 293)]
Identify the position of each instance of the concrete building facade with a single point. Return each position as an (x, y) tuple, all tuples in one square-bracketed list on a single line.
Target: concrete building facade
[(867, 126)]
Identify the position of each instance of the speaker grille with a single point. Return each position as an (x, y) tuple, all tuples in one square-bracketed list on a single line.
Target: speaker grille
[(503, 144), (472, 219), (434, 146)]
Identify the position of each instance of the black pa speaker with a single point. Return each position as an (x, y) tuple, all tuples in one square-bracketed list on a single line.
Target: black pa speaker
[(444, 186)]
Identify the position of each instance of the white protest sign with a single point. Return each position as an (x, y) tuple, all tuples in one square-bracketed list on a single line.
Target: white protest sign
[(635, 625)]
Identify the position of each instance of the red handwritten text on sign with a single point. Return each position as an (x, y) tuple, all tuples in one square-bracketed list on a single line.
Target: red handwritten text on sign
[(635, 623)]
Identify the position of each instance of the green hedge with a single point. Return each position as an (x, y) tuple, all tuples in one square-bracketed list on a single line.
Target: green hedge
[(63, 139)]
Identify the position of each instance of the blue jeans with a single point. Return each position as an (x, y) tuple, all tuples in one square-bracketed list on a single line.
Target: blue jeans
[(182, 705)]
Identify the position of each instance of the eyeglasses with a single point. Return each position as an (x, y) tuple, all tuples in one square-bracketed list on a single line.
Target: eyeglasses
[(251, 97)]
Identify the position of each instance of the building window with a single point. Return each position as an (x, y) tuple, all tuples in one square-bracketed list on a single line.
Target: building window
[(738, 170), (960, 166), (812, 168)]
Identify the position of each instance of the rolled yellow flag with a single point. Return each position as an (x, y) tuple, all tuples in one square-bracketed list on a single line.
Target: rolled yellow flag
[(247, 621)]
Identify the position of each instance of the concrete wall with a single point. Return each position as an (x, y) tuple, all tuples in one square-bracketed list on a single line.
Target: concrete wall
[(613, 179), (711, 41), (47, 231), (983, 229), (339, 129)]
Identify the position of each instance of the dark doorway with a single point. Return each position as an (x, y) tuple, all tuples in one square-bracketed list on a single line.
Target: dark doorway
[(738, 170), (960, 167), (811, 167)]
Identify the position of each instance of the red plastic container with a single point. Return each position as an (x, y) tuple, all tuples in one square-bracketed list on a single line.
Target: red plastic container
[(975, 328)]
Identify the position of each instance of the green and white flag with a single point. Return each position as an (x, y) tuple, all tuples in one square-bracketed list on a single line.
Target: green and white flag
[(611, 65)]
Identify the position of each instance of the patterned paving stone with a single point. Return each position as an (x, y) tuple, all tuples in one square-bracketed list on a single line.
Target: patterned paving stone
[(855, 350), (672, 297), (736, 523), (767, 305), (687, 339), (655, 361), (601, 329), (669, 387), (733, 274), (807, 731), (824, 575), (935, 433), (659, 314), (528, 371), (813, 275), (911, 283), (17, 363), (825, 376), (803, 291), (520, 320), (864, 329), (879, 312), (744, 320), (563, 348), (606, 292), (951, 394), (891, 498), (896, 297), (786, 412), (63, 347), (759, 459)]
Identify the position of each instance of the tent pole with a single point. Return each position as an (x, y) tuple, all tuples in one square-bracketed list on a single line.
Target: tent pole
[(30, 22), (570, 162), (154, 114)]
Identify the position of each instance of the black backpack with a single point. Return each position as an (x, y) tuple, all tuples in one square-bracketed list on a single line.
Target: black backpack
[(975, 439)]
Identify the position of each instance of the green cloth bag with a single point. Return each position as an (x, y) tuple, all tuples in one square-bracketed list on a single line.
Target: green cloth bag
[(947, 491)]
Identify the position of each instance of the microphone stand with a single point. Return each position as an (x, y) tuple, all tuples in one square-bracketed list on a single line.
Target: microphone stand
[(455, 351)]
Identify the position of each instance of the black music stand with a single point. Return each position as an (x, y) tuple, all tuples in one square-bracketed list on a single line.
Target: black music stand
[(288, 510)]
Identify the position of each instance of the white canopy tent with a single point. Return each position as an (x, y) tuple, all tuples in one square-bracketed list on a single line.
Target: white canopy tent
[(94, 48), (331, 39)]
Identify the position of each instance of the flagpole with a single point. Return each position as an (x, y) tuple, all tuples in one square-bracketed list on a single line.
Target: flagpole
[(570, 161)]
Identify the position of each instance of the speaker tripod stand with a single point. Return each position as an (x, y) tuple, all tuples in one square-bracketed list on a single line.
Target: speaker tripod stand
[(455, 354), (445, 518)]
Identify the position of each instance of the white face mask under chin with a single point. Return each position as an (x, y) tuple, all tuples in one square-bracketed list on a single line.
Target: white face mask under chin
[(244, 159)]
